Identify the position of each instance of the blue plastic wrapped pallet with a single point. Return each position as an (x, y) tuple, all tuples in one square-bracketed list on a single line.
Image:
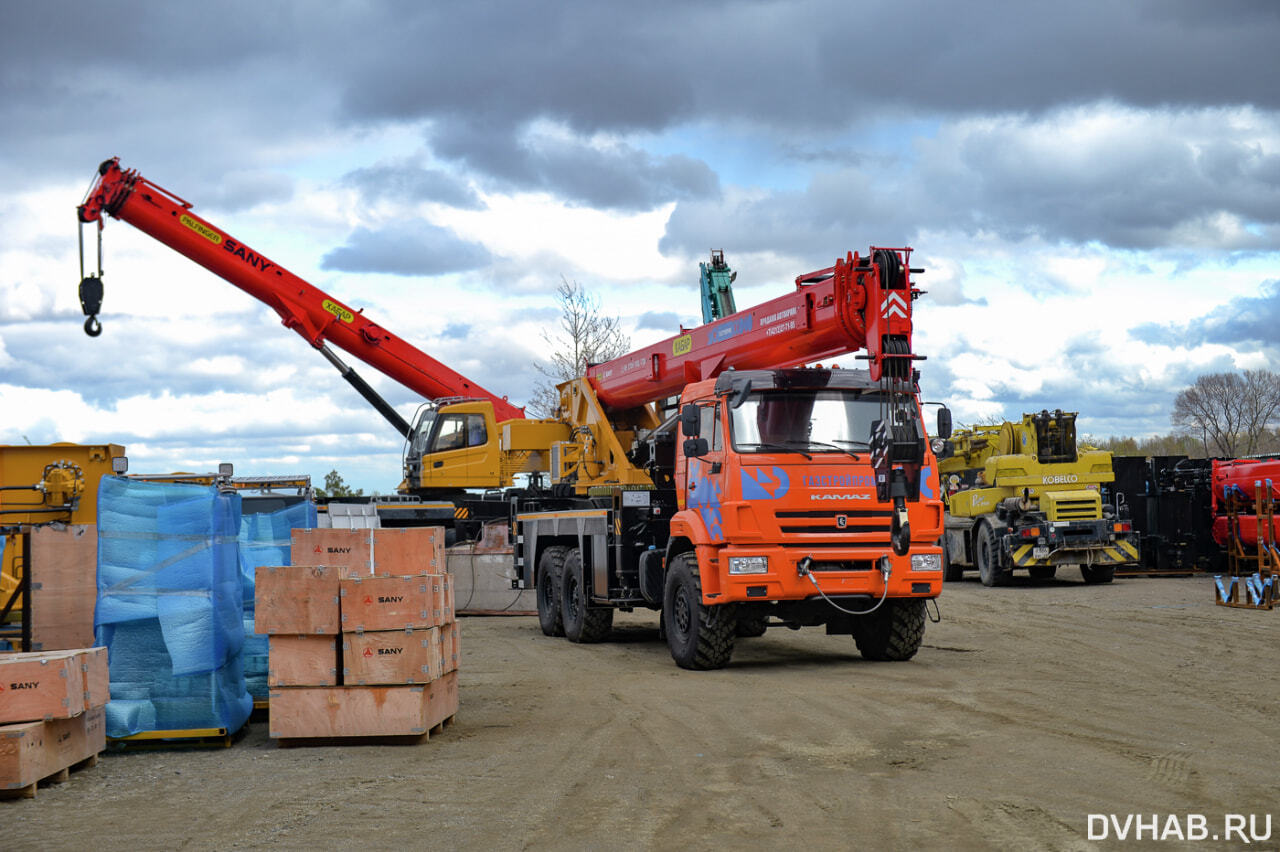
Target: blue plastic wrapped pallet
[(265, 539), (171, 607)]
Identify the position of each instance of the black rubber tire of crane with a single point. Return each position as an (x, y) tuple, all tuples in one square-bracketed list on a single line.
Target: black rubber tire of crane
[(582, 622), (1095, 574), (987, 556), (700, 637), (951, 572), (548, 586), (892, 633)]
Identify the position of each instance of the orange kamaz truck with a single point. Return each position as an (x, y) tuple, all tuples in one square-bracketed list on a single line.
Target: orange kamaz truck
[(714, 478)]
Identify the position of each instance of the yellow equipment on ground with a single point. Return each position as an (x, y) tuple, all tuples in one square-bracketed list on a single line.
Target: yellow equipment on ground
[(40, 485), (1024, 496)]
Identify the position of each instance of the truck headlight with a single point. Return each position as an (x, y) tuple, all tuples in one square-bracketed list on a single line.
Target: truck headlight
[(748, 564), (926, 562)]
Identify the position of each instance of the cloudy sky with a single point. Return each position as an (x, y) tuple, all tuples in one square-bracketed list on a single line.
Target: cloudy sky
[(1093, 188)]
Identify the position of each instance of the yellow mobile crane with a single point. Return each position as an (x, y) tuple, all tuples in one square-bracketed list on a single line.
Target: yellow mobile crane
[(1024, 496)]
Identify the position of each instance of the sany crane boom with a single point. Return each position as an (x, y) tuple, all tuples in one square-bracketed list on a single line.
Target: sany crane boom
[(312, 313)]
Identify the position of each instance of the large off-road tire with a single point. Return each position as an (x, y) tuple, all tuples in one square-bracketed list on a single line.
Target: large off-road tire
[(1098, 573), (548, 584), (751, 625), (582, 622), (699, 636), (987, 556), (951, 572), (1042, 572), (893, 632)]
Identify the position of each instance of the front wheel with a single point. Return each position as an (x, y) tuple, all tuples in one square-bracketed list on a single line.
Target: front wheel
[(699, 636), (582, 622), (893, 632)]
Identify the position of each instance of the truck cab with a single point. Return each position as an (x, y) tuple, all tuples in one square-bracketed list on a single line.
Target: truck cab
[(779, 484)]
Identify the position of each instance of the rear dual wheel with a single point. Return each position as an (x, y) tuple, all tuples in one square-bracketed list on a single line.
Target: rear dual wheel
[(548, 584), (582, 621)]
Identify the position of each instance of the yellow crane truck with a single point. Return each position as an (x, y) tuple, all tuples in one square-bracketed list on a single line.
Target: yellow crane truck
[(1022, 495)]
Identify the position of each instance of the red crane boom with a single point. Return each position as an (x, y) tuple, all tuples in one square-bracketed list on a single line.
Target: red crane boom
[(860, 302), (312, 313)]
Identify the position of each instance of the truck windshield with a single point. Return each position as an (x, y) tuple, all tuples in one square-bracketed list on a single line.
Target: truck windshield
[(422, 431), (815, 421)]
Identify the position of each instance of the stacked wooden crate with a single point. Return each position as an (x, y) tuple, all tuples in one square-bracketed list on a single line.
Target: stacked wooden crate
[(363, 640), (51, 715)]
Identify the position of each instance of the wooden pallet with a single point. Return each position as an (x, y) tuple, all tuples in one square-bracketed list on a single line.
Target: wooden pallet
[(62, 775), (408, 740)]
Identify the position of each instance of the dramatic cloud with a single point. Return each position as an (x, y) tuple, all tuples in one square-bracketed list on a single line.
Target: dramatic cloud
[(604, 174), (665, 321), (1066, 173), (1243, 322), (419, 248), (408, 182)]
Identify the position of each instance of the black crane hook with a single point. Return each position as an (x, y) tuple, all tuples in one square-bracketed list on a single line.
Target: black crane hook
[(91, 303)]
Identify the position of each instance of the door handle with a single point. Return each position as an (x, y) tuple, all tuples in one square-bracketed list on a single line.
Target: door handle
[(438, 464)]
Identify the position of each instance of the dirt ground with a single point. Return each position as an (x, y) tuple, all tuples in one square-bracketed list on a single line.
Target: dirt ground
[(1027, 709)]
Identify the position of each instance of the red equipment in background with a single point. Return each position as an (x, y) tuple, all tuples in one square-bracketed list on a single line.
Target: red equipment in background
[(1235, 493)]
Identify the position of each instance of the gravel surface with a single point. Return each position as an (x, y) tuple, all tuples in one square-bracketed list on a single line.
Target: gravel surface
[(1027, 709)]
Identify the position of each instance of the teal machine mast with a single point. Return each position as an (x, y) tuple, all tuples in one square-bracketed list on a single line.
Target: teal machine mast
[(717, 287)]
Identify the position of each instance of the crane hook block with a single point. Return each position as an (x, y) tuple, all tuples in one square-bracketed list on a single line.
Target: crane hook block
[(91, 303)]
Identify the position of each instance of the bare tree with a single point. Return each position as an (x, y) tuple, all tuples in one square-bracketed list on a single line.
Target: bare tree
[(1230, 413), (584, 336)]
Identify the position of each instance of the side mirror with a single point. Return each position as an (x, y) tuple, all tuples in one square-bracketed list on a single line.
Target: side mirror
[(696, 447), (944, 423), (691, 421)]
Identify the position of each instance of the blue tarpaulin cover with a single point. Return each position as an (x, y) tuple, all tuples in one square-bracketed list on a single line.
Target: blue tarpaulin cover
[(171, 606), (264, 540)]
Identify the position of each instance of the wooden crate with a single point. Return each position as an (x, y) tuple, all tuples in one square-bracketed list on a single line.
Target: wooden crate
[(391, 656), (64, 586), (406, 551), (40, 685), (306, 660), (387, 603), (348, 711), (296, 599), (97, 676), (350, 552), (442, 700), (449, 642), (33, 751)]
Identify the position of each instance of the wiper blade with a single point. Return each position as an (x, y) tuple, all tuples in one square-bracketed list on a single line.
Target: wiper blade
[(779, 446), (832, 446)]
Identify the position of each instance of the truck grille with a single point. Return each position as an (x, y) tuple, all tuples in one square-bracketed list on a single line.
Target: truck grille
[(862, 526)]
